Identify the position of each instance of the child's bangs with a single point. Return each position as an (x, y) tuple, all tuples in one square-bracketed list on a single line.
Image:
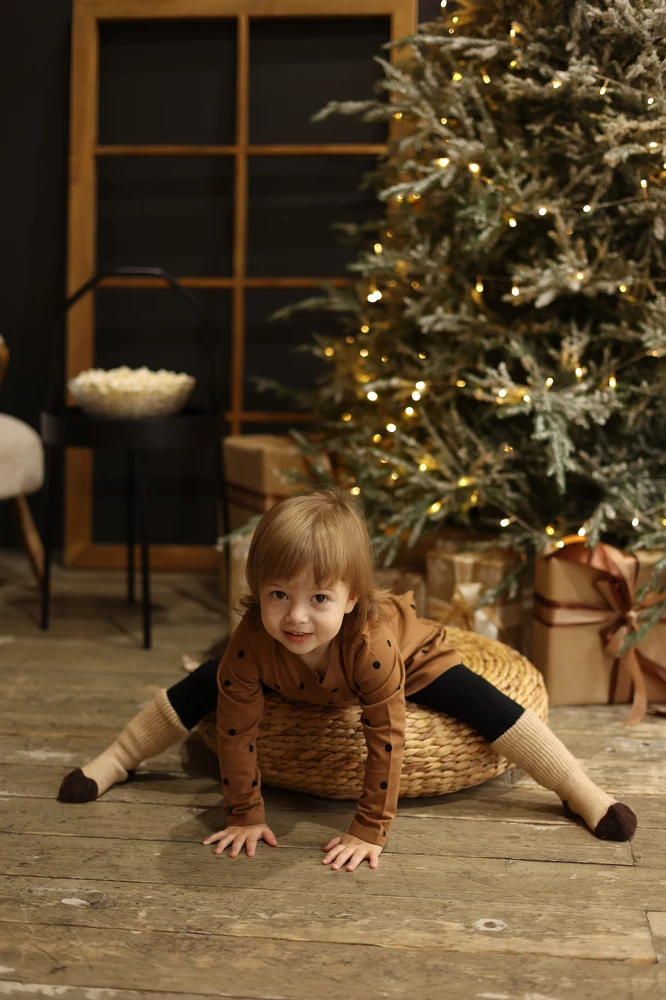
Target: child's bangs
[(326, 551)]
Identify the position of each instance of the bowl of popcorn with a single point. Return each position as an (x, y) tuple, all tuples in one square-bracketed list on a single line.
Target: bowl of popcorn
[(130, 393)]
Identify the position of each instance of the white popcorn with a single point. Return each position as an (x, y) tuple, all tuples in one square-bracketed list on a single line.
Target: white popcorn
[(130, 393)]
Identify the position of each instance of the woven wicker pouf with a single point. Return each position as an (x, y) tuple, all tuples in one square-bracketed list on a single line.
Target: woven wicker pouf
[(309, 748)]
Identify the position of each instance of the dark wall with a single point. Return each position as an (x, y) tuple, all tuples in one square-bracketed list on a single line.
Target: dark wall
[(34, 97)]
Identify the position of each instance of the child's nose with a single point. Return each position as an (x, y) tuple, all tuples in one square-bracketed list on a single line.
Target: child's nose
[(297, 612)]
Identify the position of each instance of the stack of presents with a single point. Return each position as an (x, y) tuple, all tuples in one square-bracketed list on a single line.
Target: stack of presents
[(570, 618)]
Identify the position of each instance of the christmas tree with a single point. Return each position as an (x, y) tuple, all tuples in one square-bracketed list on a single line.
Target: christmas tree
[(500, 358)]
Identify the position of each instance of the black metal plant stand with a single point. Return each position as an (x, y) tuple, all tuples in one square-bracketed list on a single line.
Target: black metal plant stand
[(68, 427)]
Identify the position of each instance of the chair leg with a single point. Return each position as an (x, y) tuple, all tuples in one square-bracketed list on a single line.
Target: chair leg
[(30, 536), (49, 530), (130, 526), (142, 492)]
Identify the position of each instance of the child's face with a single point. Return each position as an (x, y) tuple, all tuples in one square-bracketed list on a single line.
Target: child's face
[(298, 606)]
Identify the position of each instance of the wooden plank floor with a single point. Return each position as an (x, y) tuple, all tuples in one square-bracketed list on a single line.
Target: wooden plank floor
[(491, 893)]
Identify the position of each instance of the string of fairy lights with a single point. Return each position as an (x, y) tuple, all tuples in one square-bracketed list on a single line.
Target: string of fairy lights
[(503, 395)]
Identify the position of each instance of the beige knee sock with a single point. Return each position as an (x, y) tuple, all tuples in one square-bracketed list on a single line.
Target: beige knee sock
[(530, 744), (155, 728)]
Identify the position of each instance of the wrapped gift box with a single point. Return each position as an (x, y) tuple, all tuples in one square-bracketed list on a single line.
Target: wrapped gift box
[(585, 603), (400, 581), (456, 581), (254, 464)]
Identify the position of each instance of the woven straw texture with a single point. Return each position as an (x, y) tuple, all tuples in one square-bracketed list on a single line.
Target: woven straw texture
[(321, 750)]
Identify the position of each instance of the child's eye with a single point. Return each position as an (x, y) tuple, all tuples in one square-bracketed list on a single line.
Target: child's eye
[(278, 594), (323, 600)]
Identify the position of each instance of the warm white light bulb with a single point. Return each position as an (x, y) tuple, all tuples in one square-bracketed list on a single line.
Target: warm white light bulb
[(423, 467), (505, 522), (420, 385), (479, 286), (527, 398), (550, 530), (391, 428), (502, 393), (461, 383), (515, 290), (372, 396), (355, 490), (557, 84), (543, 210), (635, 522), (378, 248), (643, 182), (409, 411), (549, 381), (443, 161), (513, 223), (416, 395), (587, 208), (581, 532), (474, 167), (434, 507)]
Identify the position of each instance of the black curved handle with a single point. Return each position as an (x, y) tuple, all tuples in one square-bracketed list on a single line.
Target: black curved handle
[(154, 272), (56, 379)]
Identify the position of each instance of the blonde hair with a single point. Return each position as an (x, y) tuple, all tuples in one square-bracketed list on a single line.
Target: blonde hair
[(325, 529)]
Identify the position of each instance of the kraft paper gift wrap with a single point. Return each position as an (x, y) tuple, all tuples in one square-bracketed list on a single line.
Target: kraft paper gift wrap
[(456, 581), (400, 581), (585, 604), (253, 463)]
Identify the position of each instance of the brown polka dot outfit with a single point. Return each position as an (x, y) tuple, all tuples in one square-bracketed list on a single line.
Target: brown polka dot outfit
[(377, 671)]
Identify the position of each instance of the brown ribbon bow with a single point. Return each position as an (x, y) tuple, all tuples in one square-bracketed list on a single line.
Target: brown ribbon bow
[(617, 620)]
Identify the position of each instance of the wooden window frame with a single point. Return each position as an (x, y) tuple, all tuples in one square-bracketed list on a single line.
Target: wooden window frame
[(79, 549)]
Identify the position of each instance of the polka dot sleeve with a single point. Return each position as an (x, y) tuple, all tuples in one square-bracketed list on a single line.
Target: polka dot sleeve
[(240, 705), (379, 676)]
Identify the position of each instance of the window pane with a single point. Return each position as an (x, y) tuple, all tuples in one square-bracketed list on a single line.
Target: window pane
[(167, 81), (293, 202), (297, 65), (171, 212)]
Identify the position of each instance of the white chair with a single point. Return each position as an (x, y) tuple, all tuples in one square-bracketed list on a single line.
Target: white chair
[(21, 473)]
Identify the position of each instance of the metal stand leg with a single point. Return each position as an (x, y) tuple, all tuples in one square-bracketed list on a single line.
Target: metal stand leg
[(130, 526), (145, 565), (49, 524)]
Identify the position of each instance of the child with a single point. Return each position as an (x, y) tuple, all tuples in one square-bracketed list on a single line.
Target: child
[(316, 629)]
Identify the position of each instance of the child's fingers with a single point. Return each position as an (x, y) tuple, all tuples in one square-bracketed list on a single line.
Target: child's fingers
[(332, 854), (238, 842), (213, 837), (342, 858)]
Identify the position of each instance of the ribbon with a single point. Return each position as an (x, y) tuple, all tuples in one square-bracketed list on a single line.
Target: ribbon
[(463, 613), (620, 617)]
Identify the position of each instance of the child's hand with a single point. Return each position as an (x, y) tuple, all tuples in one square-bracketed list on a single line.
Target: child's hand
[(239, 835), (347, 846)]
